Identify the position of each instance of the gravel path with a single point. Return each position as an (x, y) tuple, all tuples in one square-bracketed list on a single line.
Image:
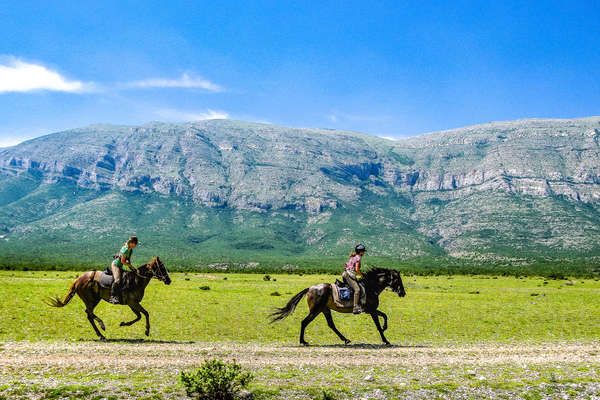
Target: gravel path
[(152, 355), (146, 369)]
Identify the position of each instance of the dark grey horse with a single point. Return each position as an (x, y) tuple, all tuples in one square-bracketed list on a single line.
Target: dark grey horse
[(320, 300)]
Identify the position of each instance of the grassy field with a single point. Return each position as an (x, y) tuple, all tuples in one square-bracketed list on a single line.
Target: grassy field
[(455, 336), (436, 310)]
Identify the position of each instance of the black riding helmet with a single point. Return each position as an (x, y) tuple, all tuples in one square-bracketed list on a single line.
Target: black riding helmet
[(360, 247)]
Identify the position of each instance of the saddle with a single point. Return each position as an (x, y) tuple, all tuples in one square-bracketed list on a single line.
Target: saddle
[(343, 295), (106, 279)]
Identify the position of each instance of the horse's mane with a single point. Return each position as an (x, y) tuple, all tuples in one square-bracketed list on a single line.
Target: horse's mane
[(128, 277), (374, 272)]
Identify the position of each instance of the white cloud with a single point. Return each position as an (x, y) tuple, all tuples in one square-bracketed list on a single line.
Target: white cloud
[(169, 114), (20, 76), (185, 81)]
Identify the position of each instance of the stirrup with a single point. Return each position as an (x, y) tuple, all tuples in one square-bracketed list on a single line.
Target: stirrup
[(357, 310)]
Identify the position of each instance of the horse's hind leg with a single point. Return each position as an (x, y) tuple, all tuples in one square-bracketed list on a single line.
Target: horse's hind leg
[(317, 302), (137, 308), (329, 318), (309, 318), (91, 317), (138, 316), (91, 300)]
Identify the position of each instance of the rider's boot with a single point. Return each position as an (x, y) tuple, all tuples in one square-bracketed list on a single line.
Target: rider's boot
[(115, 293), (357, 309)]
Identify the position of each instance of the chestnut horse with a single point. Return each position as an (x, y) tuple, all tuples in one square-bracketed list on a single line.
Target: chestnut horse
[(320, 300), (88, 288)]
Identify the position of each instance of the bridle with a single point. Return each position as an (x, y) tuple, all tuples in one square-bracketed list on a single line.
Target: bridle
[(158, 275), (394, 282)]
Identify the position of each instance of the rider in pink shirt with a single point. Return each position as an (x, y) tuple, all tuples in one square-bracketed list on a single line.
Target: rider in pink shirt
[(351, 272)]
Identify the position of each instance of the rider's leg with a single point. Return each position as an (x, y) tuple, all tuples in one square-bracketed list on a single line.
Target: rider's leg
[(115, 289), (351, 281)]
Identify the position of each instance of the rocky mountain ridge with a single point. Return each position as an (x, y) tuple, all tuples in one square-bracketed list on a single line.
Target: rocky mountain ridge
[(309, 168), (503, 189)]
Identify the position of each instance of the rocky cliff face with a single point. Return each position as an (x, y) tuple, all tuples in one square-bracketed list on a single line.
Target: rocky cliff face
[(253, 166), (461, 191), (217, 163), (532, 157)]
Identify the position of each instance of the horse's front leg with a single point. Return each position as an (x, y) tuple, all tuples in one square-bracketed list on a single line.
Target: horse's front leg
[(137, 308), (384, 316), (375, 317), (138, 316)]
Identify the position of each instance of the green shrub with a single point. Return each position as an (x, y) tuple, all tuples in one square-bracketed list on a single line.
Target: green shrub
[(215, 380), (325, 395)]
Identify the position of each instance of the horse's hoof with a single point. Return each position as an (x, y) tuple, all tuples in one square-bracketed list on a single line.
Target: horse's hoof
[(387, 344), (347, 342), (102, 327), (147, 333), (122, 324), (304, 343), (102, 338)]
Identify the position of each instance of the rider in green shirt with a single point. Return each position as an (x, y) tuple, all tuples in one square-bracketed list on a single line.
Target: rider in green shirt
[(123, 258)]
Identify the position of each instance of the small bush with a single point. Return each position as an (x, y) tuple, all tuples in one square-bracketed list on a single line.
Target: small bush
[(204, 287), (556, 276), (215, 380), (266, 278), (325, 395)]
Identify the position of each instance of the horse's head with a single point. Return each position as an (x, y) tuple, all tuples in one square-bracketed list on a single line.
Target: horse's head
[(383, 277), (159, 271), (395, 283)]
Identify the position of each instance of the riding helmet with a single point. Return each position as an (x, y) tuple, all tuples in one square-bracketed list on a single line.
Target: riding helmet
[(360, 247)]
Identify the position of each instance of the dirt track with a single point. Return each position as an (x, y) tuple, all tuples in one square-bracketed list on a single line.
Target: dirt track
[(146, 369), (153, 355)]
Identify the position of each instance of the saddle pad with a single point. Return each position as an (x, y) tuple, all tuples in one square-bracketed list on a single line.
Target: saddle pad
[(340, 284), (106, 280), (348, 303), (335, 292)]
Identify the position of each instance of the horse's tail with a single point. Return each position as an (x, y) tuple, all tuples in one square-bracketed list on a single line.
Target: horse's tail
[(56, 302), (281, 313)]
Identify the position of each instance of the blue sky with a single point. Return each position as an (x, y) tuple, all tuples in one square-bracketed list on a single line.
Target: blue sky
[(392, 68)]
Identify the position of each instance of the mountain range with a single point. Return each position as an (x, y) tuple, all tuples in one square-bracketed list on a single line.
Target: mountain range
[(224, 192)]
